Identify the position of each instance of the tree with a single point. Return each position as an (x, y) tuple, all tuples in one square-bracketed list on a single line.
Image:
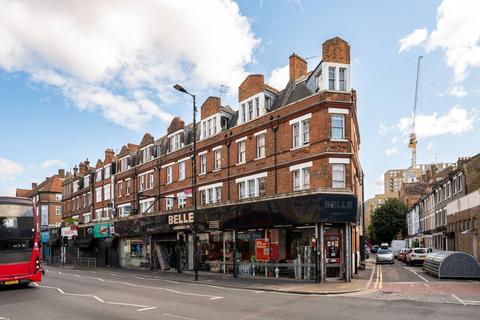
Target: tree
[(388, 220)]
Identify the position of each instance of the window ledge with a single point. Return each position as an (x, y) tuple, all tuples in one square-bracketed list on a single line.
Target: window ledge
[(300, 147), (217, 170), (261, 158), (240, 163), (339, 140)]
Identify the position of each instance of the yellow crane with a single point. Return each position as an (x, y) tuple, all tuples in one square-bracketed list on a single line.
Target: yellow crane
[(412, 144)]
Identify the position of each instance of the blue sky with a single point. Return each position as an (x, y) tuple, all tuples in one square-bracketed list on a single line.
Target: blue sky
[(70, 89)]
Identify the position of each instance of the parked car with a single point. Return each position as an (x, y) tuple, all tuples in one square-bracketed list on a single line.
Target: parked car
[(417, 256), (403, 256), (385, 256), (384, 245), (398, 256), (374, 249)]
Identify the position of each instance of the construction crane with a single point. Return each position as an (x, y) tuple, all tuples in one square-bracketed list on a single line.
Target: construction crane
[(412, 144)]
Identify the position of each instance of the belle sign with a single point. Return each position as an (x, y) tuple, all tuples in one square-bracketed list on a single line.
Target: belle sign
[(181, 218)]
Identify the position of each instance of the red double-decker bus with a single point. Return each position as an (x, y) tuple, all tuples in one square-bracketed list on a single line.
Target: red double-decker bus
[(19, 249)]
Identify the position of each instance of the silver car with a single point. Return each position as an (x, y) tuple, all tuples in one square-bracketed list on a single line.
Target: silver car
[(385, 256)]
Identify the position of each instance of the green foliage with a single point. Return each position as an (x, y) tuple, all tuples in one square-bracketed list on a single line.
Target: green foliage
[(388, 220), (70, 221), (415, 244)]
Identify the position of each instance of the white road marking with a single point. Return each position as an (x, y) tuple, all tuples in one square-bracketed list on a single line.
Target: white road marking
[(473, 281), (472, 302), (175, 316), (210, 297), (142, 307), (381, 278), (415, 273), (2, 318), (459, 300)]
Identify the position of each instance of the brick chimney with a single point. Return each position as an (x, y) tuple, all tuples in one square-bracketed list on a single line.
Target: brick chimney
[(61, 173), (210, 107), (336, 50), (34, 185), (298, 67), (83, 167), (75, 170), (253, 84), (109, 155)]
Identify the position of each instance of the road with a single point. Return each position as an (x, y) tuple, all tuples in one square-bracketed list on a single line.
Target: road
[(104, 294)]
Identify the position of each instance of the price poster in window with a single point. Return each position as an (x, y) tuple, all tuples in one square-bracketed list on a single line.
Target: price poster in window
[(262, 249)]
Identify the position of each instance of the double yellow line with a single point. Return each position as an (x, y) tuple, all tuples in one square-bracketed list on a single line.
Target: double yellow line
[(379, 280)]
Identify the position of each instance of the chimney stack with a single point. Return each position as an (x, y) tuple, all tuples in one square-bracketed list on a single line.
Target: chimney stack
[(61, 173), (34, 185), (109, 154), (75, 170), (298, 67)]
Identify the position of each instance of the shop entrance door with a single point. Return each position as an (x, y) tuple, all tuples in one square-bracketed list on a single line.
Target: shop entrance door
[(333, 255)]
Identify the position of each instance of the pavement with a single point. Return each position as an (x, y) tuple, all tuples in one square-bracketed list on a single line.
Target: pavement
[(110, 294)]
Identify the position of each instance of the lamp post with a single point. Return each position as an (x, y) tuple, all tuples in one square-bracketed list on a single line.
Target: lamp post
[(194, 180)]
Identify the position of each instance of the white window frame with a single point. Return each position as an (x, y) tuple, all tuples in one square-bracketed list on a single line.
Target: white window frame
[(107, 192), (243, 184), (181, 200), (339, 183), (58, 210), (98, 194), (299, 124), (119, 188), (169, 170), (342, 116), (203, 162), (169, 202), (300, 170), (217, 158), (260, 148), (210, 193), (181, 170), (241, 150)]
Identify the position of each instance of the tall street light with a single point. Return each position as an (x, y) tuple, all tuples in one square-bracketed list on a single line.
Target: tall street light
[(194, 179)]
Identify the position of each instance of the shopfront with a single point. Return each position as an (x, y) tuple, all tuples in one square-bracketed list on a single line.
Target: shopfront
[(308, 237)]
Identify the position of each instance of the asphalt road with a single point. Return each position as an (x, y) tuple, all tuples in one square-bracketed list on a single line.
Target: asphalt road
[(71, 294)]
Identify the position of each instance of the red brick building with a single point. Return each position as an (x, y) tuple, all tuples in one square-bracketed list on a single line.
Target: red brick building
[(282, 171), (47, 198)]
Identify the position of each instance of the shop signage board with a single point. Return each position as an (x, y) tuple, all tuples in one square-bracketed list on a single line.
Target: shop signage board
[(262, 249), (101, 230), (45, 236), (69, 232)]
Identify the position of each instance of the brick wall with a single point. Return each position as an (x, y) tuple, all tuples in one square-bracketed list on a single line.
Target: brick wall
[(336, 50)]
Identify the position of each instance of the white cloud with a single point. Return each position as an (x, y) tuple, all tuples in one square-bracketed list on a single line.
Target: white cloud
[(394, 139), (9, 169), (430, 145), (457, 91), (414, 39), (51, 163), (391, 151), (457, 33), (380, 181), (456, 121), (383, 129), (279, 77), (99, 53)]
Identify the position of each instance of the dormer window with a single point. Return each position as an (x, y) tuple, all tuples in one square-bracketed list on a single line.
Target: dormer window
[(254, 107), (123, 164), (175, 141), (341, 79), (331, 78), (210, 126), (147, 154)]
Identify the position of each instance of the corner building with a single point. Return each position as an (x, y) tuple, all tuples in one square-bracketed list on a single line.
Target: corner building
[(278, 186)]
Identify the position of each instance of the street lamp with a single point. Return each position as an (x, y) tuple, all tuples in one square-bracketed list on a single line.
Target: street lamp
[(194, 180)]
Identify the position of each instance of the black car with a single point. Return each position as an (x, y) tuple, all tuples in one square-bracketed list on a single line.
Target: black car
[(374, 249)]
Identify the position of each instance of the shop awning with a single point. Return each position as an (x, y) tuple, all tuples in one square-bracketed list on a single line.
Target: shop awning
[(83, 243)]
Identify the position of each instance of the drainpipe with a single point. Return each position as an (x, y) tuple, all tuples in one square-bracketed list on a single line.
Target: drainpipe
[(275, 124), (228, 143)]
